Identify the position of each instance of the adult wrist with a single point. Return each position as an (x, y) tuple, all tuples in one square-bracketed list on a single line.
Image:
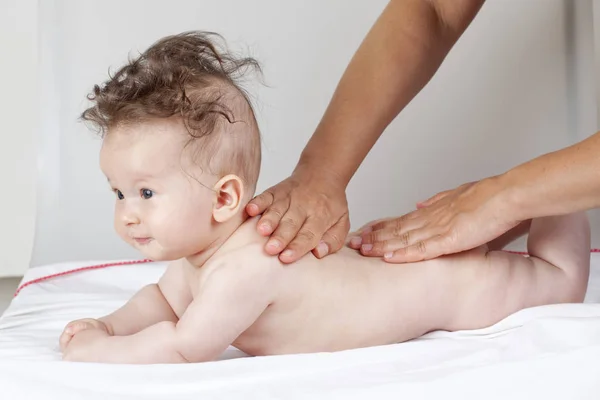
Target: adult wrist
[(512, 197), (311, 167)]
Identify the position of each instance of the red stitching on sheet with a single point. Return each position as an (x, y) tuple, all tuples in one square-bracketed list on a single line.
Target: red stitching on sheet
[(71, 271), (114, 264)]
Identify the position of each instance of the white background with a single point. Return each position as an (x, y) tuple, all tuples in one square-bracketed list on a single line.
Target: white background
[(519, 83), (18, 126)]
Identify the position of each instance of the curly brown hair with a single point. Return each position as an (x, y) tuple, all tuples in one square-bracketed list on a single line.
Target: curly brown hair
[(190, 76)]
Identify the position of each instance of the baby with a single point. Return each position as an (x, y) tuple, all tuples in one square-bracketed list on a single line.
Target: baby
[(181, 152)]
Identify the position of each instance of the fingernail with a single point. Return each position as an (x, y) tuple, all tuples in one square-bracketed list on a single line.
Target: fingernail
[(356, 241), (274, 244), (367, 247), (388, 255), (367, 229), (288, 254), (322, 249), (253, 208), (265, 228)]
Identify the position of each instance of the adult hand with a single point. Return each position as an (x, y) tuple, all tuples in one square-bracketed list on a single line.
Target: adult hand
[(449, 222), (307, 211)]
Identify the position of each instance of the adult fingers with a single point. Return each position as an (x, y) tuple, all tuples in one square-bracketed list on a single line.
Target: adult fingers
[(386, 241), (260, 203), (288, 227), (391, 228), (332, 240), (271, 218), (392, 223), (420, 251), (354, 239), (299, 237)]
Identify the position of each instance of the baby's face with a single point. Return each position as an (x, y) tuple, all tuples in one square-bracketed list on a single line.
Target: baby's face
[(161, 208)]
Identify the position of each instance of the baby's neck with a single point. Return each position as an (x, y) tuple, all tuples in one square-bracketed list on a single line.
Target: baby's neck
[(220, 242)]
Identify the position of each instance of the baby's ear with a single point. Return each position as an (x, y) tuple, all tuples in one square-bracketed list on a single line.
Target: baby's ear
[(229, 193)]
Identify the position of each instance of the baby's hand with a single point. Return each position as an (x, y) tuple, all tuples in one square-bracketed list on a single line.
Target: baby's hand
[(77, 326)]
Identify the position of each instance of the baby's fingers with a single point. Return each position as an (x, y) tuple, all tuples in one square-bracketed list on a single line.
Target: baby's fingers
[(74, 327), (71, 329), (64, 340), (78, 326)]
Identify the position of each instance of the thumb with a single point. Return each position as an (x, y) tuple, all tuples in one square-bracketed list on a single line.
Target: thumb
[(333, 239)]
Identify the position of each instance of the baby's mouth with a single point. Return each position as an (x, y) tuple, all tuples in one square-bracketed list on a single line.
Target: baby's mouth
[(142, 240)]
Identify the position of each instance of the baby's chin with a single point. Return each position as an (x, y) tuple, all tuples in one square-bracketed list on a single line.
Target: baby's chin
[(153, 251), (160, 257)]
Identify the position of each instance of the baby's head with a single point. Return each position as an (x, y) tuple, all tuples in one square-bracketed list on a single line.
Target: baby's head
[(181, 145)]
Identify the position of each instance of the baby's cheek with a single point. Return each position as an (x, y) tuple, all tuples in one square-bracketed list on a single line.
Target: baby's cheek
[(120, 229), (183, 232), (165, 229), (173, 235)]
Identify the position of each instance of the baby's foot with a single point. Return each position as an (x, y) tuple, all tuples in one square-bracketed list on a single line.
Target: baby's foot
[(79, 325)]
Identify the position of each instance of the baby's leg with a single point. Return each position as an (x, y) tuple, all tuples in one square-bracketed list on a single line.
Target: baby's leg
[(557, 271)]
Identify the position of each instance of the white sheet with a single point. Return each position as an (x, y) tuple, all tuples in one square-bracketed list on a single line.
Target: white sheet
[(550, 352)]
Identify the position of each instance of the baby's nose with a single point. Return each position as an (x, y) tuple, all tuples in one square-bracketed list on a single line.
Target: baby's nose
[(130, 218)]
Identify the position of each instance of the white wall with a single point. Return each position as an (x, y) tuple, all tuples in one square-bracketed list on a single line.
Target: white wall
[(18, 119), (518, 84)]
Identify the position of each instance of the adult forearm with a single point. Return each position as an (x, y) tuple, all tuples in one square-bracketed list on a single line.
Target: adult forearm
[(556, 183), (397, 58)]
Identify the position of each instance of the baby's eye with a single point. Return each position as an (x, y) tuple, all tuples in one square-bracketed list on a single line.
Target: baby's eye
[(119, 194), (146, 193)]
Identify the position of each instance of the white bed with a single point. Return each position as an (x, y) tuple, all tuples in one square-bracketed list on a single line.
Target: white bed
[(550, 352)]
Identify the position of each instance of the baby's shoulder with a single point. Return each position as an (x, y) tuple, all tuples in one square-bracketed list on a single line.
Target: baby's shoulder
[(250, 258), (244, 264)]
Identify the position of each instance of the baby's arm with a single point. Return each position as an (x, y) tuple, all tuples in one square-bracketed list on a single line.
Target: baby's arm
[(226, 306), (152, 304), (557, 271)]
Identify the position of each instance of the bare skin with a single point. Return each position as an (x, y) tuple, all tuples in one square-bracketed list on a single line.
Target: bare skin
[(243, 297)]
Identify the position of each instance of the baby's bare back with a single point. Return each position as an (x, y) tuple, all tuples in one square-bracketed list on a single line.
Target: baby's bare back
[(347, 301)]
